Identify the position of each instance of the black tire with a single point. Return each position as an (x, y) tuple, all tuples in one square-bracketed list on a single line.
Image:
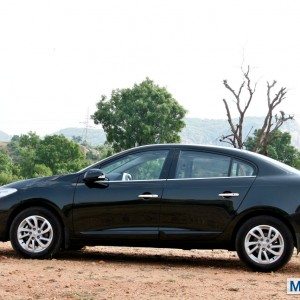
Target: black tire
[(54, 237), (285, 239)]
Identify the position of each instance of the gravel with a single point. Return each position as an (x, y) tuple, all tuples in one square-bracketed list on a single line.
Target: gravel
[(139, 273)]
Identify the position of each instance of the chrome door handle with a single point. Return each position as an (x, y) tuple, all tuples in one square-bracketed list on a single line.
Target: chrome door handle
[(229, 194), (148, 196)]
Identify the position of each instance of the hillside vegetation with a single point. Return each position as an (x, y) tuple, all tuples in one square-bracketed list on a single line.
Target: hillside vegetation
[(196, 131)]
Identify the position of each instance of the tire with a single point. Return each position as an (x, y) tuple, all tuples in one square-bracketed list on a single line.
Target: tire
[(36, 233), (264, 243)]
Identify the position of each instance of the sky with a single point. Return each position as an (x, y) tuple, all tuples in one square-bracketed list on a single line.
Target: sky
[(58, 57)]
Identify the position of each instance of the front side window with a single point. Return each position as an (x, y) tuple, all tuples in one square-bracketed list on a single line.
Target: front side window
[(146, 165), (195, 164)]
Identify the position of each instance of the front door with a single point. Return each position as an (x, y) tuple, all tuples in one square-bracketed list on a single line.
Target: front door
[(127, 206)]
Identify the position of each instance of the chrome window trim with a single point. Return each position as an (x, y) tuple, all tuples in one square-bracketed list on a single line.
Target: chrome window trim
[(143, 180), (226, 177), (166, 179)]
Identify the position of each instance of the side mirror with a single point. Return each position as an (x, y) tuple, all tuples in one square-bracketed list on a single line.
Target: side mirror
[(94, 175)]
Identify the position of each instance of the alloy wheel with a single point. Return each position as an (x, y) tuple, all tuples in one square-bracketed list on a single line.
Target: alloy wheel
[(264, 244), (35, 234)]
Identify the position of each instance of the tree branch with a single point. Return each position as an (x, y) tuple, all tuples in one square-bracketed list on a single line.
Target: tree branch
[(269, 126), (271, 123), (237, 130)]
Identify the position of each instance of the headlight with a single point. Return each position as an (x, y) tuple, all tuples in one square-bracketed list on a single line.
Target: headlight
[(7, 191)]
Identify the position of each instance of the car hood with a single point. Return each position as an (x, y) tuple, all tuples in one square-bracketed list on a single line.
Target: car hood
[(23, 184)]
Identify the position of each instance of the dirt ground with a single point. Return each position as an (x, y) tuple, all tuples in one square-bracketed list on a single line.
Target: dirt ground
[(137, 273)]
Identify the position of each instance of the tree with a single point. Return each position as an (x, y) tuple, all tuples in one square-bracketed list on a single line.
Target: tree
[(30, 140), (59, 154), (40, 170), (6, 168), (5, 162), (22, 150), (242, 102), (95, 154), (36, 157), (279, 147), (144, 114)]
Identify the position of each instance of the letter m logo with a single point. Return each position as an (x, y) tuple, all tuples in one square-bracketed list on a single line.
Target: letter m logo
[(293, 286)]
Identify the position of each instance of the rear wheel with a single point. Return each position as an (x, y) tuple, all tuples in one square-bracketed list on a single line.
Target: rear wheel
[(264, 243), (36, 233)]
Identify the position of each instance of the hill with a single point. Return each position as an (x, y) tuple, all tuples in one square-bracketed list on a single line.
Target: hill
[(196, 131), (209, 131), (4, 137), (94, 137)]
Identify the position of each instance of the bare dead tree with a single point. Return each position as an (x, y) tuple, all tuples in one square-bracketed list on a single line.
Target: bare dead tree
[(235, 138), (271, 122)]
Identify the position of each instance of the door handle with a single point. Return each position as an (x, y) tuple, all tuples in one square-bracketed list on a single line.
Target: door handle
[(229, 194), (148, 196)]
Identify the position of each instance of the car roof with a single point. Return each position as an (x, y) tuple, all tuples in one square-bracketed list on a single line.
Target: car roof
[(210, 148), (265, 165), (198, 146)]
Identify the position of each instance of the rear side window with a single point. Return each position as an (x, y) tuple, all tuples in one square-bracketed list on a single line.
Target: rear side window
[(196, 164), (240, 168)]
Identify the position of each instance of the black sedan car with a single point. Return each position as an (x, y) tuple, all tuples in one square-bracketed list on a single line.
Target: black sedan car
[(172, 196)]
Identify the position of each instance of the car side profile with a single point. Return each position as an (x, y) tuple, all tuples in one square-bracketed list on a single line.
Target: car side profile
[(170, 196)]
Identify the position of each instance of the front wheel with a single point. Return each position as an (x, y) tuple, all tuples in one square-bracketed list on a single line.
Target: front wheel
[(36, 233), (264, 243)]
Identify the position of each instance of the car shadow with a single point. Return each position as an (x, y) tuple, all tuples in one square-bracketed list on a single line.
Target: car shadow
[(168, 260), (138, 258), (193, 259), (165, 260)]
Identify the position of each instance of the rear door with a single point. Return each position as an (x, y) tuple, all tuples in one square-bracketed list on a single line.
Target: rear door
[(202, 195)]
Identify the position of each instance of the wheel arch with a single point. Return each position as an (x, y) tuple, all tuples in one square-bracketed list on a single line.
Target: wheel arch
[(263, 211), (38, 202)]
